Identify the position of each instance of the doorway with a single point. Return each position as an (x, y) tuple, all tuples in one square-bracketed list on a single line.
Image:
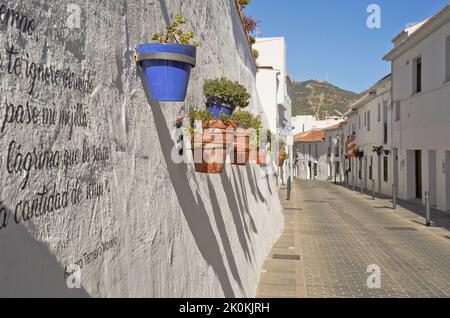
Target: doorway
[(447, 179), (366, 182), (418, 173), (432, 183), (310, 170)]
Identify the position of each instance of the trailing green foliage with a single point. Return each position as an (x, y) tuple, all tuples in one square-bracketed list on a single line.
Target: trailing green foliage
[(245, 119), (244, 3), (174, 33), (199, 114), (225, 92), (255, 53)]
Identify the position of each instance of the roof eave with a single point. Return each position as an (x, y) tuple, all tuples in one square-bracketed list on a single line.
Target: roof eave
[(429, 27)]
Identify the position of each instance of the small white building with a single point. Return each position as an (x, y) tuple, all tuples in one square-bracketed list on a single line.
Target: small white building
[(421, 98), (335, 152), (311, 152), (274, 88), (273, 83)]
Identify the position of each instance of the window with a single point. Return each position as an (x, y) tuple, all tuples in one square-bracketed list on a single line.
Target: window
[(379, 111), (365, 119), (368, 121), (359, 118), (386, 169), (309, 150), (417, 75), (371, 169), (360, 170), (317, 152), (397, 111)]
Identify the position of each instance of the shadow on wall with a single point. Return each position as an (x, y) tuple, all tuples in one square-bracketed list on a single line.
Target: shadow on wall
[(193, 208), (28, 269)]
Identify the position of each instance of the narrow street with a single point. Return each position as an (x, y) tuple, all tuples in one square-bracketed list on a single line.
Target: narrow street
[(333, 234)]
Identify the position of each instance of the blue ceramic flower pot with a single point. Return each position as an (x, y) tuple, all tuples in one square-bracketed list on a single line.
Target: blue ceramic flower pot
[(216, 109), (167, 69)]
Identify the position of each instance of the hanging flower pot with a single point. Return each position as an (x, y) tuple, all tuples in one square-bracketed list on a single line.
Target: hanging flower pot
[(167, 69), (241, 147), (167, 66), (210, 147), (224, 96), (387, 152), (281, 158), (218, 106), (378, 150), (244, 122), (261, 158)]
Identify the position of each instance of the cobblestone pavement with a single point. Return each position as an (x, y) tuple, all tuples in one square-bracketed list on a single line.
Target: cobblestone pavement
[(333, 234)]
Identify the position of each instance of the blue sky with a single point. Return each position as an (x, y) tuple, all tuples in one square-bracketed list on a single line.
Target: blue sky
[(331, 36)]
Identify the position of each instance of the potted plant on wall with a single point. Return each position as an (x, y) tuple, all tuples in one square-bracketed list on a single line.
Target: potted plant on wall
[(387, 152), (378, 149), (223, 96), (358, 153), (167, 63), (282, 155), (209, 141), (243, 121)]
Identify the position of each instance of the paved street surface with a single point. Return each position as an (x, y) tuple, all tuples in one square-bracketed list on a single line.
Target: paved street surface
[(333, 234)]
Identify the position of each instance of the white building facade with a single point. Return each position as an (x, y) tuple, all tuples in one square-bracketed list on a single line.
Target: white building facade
[(369, 121), (421, 98), (274, 88), (273, 83)]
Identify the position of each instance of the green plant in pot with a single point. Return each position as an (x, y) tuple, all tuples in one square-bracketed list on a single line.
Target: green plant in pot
[(224, 96), (282, 154), (243, 122), (378, 149), (209, 141), (166, 63)]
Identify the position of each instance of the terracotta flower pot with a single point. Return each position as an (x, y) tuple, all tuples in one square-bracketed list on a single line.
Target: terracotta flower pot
[(241, 147), (210, 147), (280, 160), (261, 158)]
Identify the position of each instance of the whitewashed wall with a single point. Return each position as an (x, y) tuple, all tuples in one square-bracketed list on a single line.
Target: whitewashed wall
[(152, 228), (425, 117)]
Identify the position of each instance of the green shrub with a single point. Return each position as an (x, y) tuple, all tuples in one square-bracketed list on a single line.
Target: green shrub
[(226, 93), (197, 114), (174, 33), (244, 2), (255, 53)]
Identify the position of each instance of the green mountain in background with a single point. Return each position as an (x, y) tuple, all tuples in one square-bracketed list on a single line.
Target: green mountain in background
[(320, 98)]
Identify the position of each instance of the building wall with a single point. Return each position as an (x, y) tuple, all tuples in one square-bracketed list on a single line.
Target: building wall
[(425, 117), (116, 204), (266, 83), (272, 52), (319, 159), (308, 122), (366, 139)]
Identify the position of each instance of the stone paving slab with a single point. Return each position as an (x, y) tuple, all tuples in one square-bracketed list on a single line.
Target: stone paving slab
[(338, 233)]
